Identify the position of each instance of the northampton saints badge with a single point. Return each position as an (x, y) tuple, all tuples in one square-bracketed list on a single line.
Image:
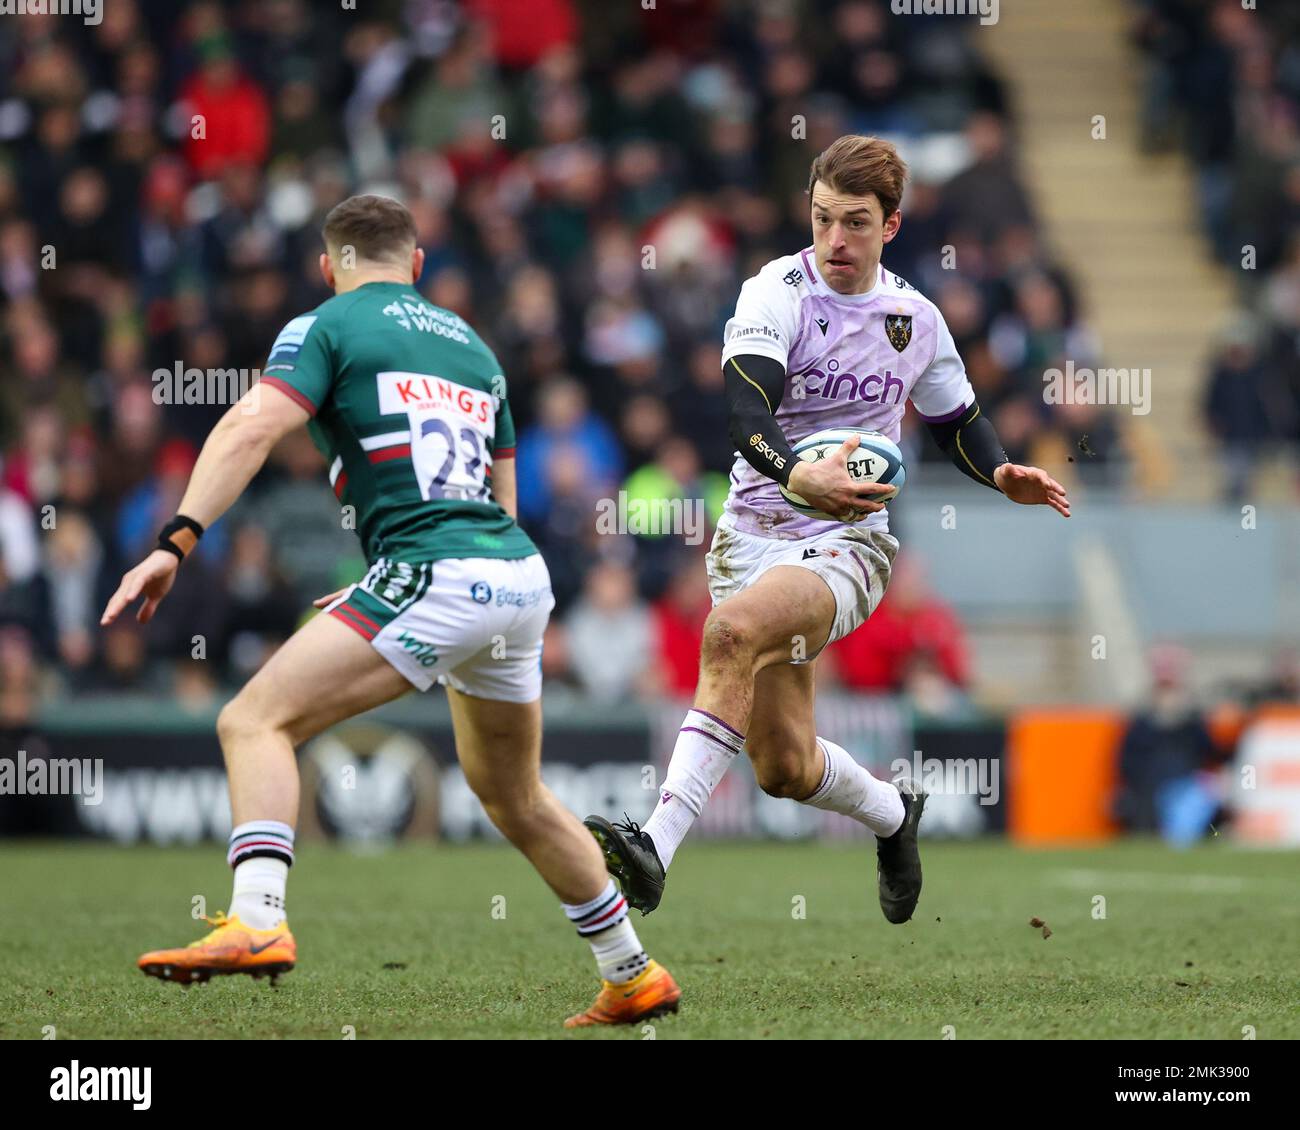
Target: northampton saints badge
[(898, 328)]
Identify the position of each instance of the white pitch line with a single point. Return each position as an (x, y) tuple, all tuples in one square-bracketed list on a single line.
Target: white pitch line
[(1159, 881)]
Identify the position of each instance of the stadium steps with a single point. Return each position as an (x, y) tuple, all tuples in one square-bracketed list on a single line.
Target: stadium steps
[(1108, 653), (1126, 224), (1024, 664)]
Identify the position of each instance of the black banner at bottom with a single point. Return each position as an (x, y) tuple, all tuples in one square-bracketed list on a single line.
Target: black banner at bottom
[(1023, 1080)]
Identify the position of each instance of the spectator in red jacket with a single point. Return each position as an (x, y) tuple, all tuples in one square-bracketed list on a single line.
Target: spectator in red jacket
[(910, 623), (679, 617), (232, 110), (525, 30)]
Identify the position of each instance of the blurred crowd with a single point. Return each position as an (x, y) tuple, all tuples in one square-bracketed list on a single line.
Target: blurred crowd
[(1175, 771), (1223, 85), (591, 183)]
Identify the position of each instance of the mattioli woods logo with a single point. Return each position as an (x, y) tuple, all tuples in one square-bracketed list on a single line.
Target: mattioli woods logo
[(832, 384)]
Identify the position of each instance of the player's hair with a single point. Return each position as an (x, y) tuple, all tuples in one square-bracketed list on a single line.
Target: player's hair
[(379, 228), (857, 165)]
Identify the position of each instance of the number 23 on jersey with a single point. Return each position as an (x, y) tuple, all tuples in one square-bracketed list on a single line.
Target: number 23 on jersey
[(452, 431)]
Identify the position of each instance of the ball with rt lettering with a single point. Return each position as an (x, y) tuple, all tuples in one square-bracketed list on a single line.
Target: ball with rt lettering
[(875, 460)]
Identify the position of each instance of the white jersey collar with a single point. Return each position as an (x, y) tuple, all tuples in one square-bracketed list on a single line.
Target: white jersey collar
[(809, 259)]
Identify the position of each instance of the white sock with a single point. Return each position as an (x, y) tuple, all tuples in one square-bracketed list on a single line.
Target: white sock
[(849, 789), (258, 900), (604, 923), (705, 749)]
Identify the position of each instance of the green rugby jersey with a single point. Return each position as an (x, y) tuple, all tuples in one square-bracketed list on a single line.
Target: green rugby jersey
[(409, 407)]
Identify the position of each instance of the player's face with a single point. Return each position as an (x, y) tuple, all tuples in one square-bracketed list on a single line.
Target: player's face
[(849, 233)]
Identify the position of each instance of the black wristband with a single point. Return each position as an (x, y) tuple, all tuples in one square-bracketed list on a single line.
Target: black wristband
[(179, 536)]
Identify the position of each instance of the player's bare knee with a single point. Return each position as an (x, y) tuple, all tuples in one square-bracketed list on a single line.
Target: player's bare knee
[(518, 818), (727, 640), (241, 722), (234, 722), (514, 811)]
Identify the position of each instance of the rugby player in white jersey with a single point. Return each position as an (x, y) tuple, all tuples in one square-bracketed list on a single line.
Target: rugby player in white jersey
[(827, 337)]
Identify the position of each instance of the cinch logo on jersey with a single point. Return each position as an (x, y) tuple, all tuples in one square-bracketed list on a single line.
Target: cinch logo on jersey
[(831, 384), (102, 1084), (416, 392)]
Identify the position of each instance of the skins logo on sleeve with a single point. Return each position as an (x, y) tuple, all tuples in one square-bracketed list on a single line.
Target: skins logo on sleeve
[(764, 449)]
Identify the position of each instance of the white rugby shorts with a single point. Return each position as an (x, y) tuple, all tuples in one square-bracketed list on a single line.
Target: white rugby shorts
[(473, 623), (855, 562)]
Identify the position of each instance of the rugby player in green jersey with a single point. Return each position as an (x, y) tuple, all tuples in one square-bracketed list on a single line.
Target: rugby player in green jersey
[(409, 408)]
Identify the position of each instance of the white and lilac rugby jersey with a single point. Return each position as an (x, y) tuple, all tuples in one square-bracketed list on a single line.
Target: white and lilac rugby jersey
[(856, 358)]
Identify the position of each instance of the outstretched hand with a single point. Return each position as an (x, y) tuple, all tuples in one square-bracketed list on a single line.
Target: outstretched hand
[(152, 579), (1031, 486)]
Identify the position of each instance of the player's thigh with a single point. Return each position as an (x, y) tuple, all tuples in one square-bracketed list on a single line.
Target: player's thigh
[(325, 672), (495, 692), (499, 745), (785, 615), (782, 734)]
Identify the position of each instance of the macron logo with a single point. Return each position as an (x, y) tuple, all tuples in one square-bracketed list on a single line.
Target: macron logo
[(102, 1084)]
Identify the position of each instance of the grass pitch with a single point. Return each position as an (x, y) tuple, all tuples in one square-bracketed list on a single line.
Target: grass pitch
[(465, 942)]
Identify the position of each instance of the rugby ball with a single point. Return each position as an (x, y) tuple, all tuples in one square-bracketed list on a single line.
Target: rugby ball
[(876, 460)]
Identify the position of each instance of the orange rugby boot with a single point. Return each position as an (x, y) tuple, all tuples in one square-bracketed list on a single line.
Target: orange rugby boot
[(652, 992), (230, 948)]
